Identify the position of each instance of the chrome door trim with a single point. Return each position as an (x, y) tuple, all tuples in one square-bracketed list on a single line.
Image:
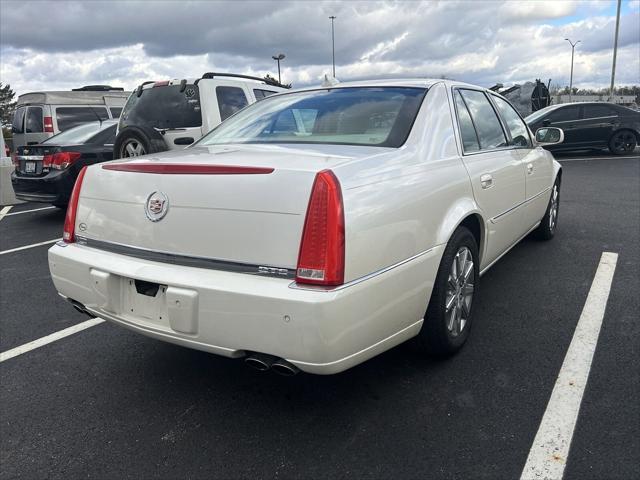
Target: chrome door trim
[(186, 260), (484, 270), (497, 217)]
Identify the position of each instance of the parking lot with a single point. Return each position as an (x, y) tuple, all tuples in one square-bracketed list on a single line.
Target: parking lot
[(108, 403)]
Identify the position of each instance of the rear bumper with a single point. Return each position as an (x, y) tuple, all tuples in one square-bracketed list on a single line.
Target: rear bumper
[(229, 314), (55, 187)]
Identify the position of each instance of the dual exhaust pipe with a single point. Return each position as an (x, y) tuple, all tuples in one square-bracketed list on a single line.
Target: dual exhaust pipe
[(264, 362)]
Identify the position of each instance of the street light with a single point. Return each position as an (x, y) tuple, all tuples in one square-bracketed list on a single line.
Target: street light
[(615, 52), (277, 58), (573, 46), (333, 46)]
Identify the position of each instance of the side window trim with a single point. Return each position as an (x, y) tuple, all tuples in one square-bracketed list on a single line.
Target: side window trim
[(455, 107), (507, 136)]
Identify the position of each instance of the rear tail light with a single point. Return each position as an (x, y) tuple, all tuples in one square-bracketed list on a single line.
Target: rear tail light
[(15, 160), (61, 160), (321, 258), (69, 232), (48, 124)]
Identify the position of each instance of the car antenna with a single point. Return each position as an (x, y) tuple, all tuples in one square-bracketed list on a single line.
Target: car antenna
[(96, 114)]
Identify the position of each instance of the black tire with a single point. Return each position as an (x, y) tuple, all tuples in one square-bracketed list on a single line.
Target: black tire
[(137, 141), (623, 142), (549, 223), (438, 337)]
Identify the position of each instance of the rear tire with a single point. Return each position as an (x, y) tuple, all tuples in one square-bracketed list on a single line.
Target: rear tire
[(448, 318), (135, 141), (623, 142), (547, 228)]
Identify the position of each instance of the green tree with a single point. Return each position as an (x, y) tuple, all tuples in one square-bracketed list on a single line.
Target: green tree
[(7, 105)]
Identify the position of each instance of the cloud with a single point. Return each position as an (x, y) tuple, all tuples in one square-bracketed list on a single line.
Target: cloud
[(68, 44)]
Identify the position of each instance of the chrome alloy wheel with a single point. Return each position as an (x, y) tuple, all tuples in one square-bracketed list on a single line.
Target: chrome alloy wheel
[(132, 148), (459, 291), (553, 208)]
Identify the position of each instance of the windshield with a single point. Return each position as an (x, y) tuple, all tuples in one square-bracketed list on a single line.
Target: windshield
[(374, 116), (540, 113), (79, 134)]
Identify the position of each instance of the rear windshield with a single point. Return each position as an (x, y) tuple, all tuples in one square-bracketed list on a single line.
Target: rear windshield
[(163, 107), (69, 117), (79, 134), (374, 116)]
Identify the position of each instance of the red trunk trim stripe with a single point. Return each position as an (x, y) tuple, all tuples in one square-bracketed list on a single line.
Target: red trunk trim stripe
[(185, 169)]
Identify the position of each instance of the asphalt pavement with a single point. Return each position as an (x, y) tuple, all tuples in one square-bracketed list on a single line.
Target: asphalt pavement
[(109, 403)]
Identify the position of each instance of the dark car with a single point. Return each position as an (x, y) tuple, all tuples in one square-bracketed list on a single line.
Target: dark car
[(47, 172), (590, 126)]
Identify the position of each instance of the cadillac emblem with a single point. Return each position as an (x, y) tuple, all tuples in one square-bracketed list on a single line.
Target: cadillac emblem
[(157, 206)]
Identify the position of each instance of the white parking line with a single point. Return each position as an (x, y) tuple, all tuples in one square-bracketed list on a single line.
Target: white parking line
[(27, 347), (17, 249), (4, 212), (550, 450), (580, 159), (29, 211)]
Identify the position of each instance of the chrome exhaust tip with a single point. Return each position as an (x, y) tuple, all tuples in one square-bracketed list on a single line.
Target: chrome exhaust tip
[(260, 361), (79, 307), (282, 367)]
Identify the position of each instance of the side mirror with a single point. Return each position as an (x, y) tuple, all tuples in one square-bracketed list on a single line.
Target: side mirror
[(183, 141), (546, 122), (549, 136)]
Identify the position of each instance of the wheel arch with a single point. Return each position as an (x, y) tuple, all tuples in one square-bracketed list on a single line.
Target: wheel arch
[(465, 214)]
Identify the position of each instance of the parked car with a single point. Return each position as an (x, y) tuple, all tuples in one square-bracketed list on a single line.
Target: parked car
[(40, 115), (591, 125), (172, 114), (314, 229), (47, 172)]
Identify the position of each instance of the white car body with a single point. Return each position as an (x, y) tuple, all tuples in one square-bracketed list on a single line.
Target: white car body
[(226, 251)]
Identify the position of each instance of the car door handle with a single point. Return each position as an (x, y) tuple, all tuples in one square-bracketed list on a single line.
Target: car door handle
[(529, 168), (486, 181)]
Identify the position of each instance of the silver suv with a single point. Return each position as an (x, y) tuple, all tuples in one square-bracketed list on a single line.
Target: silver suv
[(40, 115), (171, 114)]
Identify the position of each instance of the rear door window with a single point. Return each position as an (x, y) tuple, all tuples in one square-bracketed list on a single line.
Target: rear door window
[(467, 130), (167, 106), (598, 111), (17, 126), (34, 123), (230, 100), (69, 117), (260, 94), (485, 120)]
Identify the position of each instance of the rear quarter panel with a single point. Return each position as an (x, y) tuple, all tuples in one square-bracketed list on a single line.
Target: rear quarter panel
[(404, 202)]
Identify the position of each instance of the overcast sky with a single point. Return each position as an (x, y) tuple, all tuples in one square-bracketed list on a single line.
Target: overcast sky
[(59, 45)]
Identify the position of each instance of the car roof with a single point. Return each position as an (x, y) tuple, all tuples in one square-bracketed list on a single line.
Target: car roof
[(394, 82)]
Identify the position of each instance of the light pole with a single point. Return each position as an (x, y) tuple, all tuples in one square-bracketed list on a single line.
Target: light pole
[(333, 46), (615, 51), (573, 46), (277, 58)]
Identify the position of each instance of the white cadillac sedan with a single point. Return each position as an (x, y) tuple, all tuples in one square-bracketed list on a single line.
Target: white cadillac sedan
[(316, 228)]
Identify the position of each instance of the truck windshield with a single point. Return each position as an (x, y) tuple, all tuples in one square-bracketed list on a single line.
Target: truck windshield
[(372, 116)]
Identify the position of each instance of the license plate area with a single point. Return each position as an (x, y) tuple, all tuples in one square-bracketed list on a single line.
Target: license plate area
[(160, 306), (145, 301), (29, 167)]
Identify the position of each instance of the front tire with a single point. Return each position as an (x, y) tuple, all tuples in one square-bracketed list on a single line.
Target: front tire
[(449, 315), (547, 228)]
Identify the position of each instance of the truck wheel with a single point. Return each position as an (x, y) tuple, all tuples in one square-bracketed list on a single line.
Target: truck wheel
[(135, 141)]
